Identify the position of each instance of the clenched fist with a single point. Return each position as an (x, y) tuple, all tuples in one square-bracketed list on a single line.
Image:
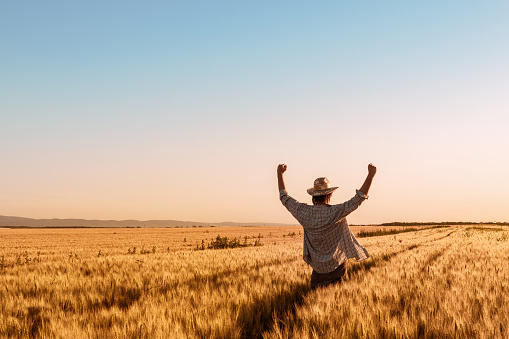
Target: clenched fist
[(281, 168), (371, 169)]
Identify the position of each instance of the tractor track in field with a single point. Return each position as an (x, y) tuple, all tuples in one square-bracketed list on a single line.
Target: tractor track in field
[(259, 316), (374, 261), (217, 278)]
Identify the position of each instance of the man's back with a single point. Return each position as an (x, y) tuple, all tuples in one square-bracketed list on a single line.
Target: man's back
[(328, 241)]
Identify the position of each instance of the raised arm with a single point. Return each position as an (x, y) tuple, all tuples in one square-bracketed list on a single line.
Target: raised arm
[(367, 183), (280, 182)]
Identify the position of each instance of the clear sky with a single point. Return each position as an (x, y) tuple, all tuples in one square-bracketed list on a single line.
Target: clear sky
[(183, 109)]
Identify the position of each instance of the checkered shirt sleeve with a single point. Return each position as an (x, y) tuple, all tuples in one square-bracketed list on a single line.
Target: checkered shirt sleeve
[(328, 241)]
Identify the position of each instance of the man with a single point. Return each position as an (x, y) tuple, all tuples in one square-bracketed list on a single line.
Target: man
[(328, 241)]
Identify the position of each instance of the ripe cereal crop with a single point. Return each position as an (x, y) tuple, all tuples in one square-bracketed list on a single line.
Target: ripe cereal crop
[(449, 282)]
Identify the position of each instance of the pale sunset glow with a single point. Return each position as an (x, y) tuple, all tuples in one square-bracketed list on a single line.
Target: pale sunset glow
[(183, 110)]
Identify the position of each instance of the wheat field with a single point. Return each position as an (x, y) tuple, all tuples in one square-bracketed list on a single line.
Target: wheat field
[(158, 283)]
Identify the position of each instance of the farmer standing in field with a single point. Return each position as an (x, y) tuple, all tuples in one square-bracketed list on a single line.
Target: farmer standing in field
[(328, 241)]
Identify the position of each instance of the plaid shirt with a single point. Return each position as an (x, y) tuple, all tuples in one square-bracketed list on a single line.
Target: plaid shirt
[(328, 241)]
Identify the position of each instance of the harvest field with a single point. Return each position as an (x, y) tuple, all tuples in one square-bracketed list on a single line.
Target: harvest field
[(450, 282)]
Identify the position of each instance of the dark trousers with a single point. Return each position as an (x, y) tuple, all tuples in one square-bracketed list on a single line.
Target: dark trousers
[(325, 279)]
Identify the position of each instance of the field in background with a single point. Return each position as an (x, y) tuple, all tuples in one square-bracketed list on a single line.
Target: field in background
[(153, 283)]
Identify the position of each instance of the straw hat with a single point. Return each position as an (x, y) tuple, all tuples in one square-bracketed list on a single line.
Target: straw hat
[(321, 187)]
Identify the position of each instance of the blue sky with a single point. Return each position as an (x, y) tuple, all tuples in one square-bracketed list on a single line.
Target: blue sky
[(166, 110)]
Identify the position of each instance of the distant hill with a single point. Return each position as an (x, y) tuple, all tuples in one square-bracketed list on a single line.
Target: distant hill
[(6, 221)]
